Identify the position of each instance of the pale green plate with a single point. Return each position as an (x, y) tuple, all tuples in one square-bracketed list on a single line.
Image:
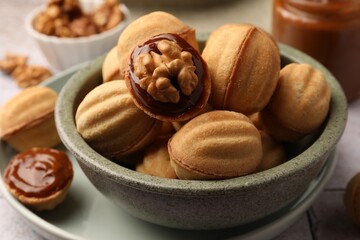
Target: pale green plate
[(86, 214)]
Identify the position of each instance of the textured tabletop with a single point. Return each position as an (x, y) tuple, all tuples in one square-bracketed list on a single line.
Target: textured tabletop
[(326, 218)]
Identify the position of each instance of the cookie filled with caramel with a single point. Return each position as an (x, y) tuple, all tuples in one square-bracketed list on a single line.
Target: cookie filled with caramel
[(168, 78), (145, 27), (39, 177)]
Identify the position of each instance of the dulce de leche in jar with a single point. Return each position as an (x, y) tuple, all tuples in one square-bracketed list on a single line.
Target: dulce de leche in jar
[(327, 30)]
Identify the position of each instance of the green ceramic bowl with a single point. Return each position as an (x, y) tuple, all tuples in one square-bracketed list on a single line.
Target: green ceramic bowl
[(190, 204)]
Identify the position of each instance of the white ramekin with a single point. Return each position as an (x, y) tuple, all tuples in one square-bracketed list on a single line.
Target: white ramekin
[(62, 53)]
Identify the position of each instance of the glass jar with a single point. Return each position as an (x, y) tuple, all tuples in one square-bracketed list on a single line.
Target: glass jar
[(328, 30)]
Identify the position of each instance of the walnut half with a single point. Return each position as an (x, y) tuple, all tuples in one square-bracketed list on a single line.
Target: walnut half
[(11, 62), (167, 78), (25, 75), (165, 75)]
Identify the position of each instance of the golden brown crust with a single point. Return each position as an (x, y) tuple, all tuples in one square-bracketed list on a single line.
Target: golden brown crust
[(109, 121), (43, 134), (26, 109), (256, 120), (301, 100), (42, 204), (271, 125), (215, 145), (147, 26), (244, 65), (156, 160), (352, 198), (178, 125), (110, 68), (273, 153)]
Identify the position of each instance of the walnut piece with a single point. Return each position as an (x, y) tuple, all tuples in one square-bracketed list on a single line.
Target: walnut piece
[(62, 28), (108, 15), (161, 74), (44, 24), (24, 75), (83, 26), (11, 62), (28, 76), (65, 18)]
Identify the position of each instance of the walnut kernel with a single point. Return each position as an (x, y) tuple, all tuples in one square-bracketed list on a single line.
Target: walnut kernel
[(65, 18), (157, 71), (28, 76), (43, 23), (11, 62), (25, 75), (83, 27), (107, 15)]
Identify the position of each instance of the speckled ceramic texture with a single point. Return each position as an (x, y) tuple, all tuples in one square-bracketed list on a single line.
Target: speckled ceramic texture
[(190, 204)]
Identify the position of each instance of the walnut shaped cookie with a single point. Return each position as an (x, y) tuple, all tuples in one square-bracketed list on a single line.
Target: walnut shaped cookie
[(27, 119), (145, 27), (216, 145), (168, 79), (244, 65)]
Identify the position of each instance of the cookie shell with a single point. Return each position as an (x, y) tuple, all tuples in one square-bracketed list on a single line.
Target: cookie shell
[(110, 68), (273, 153), (27, 119), (147, 26), (216, 145), (301, 100), (110, 123), (42, 204), (271, 125), (244, 65), (156, 160), (43, 134)]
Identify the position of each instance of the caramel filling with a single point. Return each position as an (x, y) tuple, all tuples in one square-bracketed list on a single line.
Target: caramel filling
[(159, 72), (38, 172), (166, 75)]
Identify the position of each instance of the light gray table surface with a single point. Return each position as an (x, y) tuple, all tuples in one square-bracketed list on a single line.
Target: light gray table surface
[(326, 218)]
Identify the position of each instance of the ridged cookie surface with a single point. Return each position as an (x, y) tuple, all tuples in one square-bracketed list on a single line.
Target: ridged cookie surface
[(26, 109), (301, 100), (27, 119), (244, 65), (110, 68), (156, 160), (273, 153), (109, 121), (216, 145)]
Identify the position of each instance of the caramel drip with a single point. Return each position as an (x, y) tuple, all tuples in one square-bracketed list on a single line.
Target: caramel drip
[(38, 172)]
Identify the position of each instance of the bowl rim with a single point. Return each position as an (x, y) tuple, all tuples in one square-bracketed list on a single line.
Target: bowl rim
[(78, 40), (322, 146)]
